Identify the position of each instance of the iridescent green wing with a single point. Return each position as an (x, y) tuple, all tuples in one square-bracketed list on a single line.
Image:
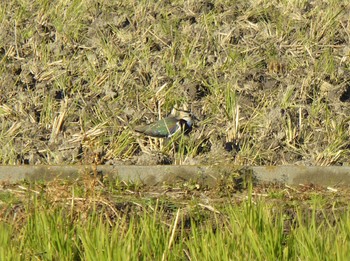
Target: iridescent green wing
[(162, 128)]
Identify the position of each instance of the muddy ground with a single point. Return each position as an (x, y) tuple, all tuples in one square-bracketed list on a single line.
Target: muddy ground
[(268, 81)]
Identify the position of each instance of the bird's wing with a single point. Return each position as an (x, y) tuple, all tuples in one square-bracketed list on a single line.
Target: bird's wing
[(162, 128)]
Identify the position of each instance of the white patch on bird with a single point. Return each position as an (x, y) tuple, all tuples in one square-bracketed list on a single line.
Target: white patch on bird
[(177, 129)]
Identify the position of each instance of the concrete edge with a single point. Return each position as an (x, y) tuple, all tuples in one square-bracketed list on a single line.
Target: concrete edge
[(206, 175)]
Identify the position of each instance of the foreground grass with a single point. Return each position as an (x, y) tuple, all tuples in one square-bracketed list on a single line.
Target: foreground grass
[(70, 222)]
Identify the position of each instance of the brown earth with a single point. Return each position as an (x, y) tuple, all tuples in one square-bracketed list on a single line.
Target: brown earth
[(269, 82)]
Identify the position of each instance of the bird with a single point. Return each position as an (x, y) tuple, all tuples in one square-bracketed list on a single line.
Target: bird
[(165, 128)]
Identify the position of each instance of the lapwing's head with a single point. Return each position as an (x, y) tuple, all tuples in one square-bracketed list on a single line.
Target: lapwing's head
[(184, 117)]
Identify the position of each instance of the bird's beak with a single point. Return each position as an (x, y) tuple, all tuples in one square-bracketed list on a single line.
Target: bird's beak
[(194, 117)]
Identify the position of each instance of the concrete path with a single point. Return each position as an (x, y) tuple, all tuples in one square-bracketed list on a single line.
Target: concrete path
[(169, 174)]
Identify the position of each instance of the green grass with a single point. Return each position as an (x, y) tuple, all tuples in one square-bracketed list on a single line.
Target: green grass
[(106, 222)]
